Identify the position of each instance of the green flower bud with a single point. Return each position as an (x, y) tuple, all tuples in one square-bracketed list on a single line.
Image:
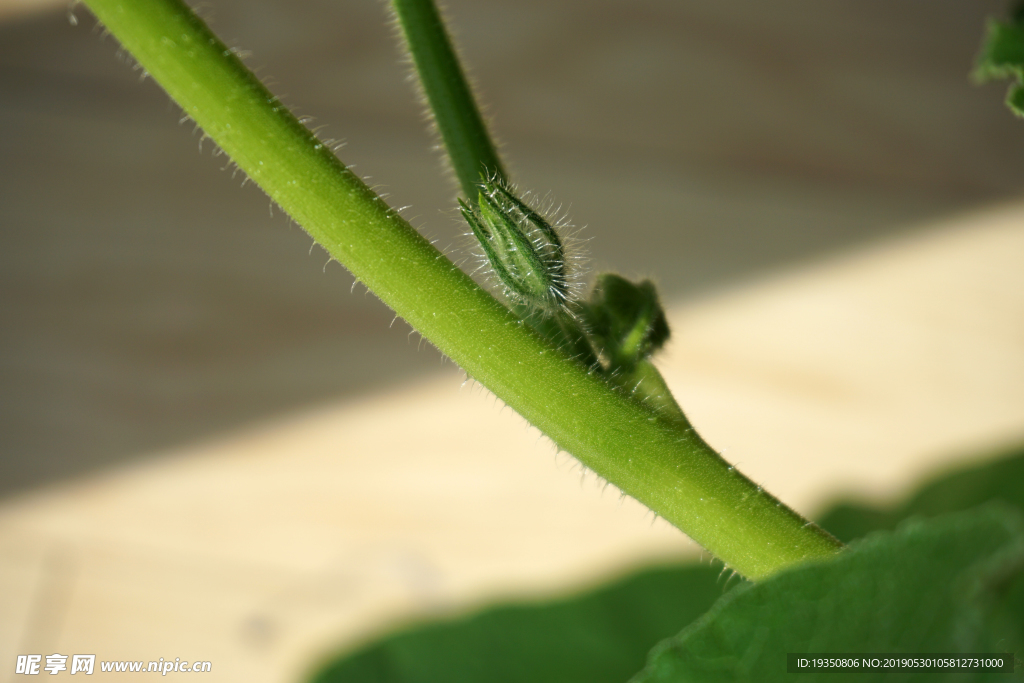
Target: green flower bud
[(524, 251), (625, 320)]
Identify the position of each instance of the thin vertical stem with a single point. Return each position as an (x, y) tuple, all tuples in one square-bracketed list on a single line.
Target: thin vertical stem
[(472, 152)]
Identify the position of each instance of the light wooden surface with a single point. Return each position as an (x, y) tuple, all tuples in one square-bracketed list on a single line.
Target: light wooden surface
[(266, 549), (210, 450)]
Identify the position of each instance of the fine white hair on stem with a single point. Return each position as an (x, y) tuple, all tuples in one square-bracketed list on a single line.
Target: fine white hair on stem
[(413, 78)]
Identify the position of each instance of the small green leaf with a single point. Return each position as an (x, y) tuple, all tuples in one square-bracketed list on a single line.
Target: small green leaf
[(928, 587), (1002, 56), (626, 320)]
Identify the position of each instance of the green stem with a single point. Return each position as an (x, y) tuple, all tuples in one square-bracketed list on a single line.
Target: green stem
[(663, 465), (560, 330), (645, 384), (451, 101), (470, 148)]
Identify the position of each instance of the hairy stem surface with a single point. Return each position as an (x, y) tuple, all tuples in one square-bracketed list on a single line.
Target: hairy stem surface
[(471, 149)]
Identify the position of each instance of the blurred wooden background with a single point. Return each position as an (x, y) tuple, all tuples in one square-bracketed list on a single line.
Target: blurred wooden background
[(210, 449), (148, 300)]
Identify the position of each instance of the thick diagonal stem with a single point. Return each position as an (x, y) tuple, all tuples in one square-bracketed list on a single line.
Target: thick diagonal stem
[(664, 465)]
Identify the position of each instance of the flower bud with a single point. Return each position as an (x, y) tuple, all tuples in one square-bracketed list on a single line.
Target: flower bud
[(524, 251)]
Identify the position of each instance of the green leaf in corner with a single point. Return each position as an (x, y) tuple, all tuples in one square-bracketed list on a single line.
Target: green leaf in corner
[(943, 585), (599, 637), (998, 478), (1002, 56), (604, 636)]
